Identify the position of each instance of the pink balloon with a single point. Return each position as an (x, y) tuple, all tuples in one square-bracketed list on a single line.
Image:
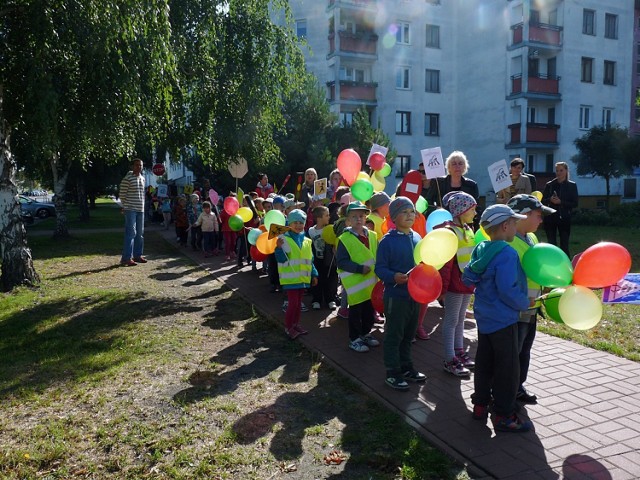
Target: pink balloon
[(213, 196), (377, 161), (231, 205), (349, 165)]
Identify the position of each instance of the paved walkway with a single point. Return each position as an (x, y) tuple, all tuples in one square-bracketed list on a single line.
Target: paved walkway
[(587, 421)]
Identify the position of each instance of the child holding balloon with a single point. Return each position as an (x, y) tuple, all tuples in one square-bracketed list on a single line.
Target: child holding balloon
[(229, 236), (208, 222), (500, 296)]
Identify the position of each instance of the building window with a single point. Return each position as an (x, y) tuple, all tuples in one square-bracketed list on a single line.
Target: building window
[(433, 36), (585, 117), (549, 163), (607, 117), (609, 73), (588, 22), (553, 17), (346, 119), (610, 26), (301, 28), (403, 163), (630, 188), (351, 74), (403, 123), (637, 110), (531, 114), (403, 78), (402, 35), (534, 17), (432, 81), (432, 124), (587, 70), (433, 2)]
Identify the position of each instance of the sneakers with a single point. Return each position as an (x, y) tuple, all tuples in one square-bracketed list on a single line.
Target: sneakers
[(358, 345), (292, 333), (285, 305), (480, 412), (465, 359), (315, 305), (421, 333), (397, 382), (378, 319), (298, 328), (304, 308), (343, 312), (332, 305), (414, 376), (370, 341), (128, 263), (525, 397), (455, 367), (140, 260), (511, 424)]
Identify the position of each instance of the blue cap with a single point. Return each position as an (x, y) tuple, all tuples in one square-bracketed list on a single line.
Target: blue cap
[(278, 199), (297, 215)]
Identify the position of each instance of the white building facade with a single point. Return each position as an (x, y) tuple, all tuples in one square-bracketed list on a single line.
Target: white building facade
[(493, 78)]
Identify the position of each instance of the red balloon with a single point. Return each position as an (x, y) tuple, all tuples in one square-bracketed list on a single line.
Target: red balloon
[(231, 205), (376, 297), (349, 165), (602, 265), (257, 255), (377, 161), (425, 283)]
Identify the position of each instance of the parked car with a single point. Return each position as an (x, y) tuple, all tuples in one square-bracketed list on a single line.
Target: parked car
[(27, 218), (37, 209)]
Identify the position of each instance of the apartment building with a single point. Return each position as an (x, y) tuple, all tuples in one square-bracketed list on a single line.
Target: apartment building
[(493, 78)]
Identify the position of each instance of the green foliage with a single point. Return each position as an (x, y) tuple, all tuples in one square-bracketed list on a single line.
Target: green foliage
[(624, 215)]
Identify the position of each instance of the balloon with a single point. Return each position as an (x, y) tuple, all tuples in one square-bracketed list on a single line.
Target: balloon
[(274, 217), (379, 183), (481, 236), (537, 194), (253, 235), (387, 225), (601, 265), (547, 265), (363, 176), (362, 190), (376, 297), (580, 308), (240, 195), (214, 197), (231, 205), (377, 161), (574, 260), (425, 283), (349, 164), (437, 217), (385, 170), (265, 245), (236, 223), (328, 235), (551, 304), (421, 204), (438, 247), (245, 213), (257, 255), (420, 225), (416, 252)]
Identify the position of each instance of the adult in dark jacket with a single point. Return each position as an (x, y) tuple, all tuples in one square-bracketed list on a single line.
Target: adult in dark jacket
[(560, 194)]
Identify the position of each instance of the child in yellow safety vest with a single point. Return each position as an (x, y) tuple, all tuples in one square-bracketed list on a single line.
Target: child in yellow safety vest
[(457, 295), (355, 258), (295, 268)]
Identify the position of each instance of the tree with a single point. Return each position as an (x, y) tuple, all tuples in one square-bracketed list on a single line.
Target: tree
[(604, 151)]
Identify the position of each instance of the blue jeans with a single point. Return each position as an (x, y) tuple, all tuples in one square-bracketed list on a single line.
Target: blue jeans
[(133, 235)]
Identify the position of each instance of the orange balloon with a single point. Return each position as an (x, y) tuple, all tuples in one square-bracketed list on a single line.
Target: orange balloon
[(602, 265), (265, 245), (420, 225)]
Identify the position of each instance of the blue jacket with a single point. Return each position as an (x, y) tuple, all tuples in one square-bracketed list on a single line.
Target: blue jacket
[(395, 254), (281, 257), (501, 285)]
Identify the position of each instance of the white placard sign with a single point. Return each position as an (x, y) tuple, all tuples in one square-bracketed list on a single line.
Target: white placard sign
[(162, 190), (499, 175), (375, 148), (433, 162)]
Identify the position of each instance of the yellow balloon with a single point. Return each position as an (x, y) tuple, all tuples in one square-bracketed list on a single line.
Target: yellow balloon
[(363, 176), (580, 308), (417, 256), (245, 214), (328, 235), (438, 247), (265, 245), (378, 182), (537, 194)]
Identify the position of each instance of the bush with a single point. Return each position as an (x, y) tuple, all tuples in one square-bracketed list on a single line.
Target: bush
[(586, 216), (624, 215)]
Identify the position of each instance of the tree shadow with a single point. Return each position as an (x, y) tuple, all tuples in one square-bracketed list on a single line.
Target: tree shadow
[(85, 272), (584, 467)]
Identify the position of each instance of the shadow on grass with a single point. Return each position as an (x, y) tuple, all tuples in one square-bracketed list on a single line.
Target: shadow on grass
[(84, 272), (39, 347)]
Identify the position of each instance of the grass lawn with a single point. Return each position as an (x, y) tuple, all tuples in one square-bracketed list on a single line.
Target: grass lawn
[(105, 215)]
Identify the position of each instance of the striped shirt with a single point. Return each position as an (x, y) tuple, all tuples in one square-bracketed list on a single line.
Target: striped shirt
[(132, 192)]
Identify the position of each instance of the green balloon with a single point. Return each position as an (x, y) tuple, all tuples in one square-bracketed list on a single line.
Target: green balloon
[(547, 265), (385, 170), (480, 236), (275, 217), (362, 190), (235, 223), (421, 204), (551, 304)]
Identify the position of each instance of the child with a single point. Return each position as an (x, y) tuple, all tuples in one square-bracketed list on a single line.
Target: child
[(531, 207), (208, 222), (272, 264), (356, 257), (324, 261), (379, 211), (180, 220), (393, 263), (193, 212), (296, 270), (500, 296), (166, 212), (229, 236), (457, 295)]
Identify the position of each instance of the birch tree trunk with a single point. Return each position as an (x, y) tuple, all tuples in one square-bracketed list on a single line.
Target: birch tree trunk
[(60, 175)]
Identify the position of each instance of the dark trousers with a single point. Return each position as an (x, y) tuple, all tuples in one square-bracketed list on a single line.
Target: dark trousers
[(360, 319), (196, 238), (242, 248), (526, 336), (554, 225), (327, 287), (497, 371), (399, 330), (208, 241), (272, 266), (182, 234)]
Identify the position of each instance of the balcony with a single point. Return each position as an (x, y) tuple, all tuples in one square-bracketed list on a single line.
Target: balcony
[(359, 92), (540, 34), (361, 44), (354, 4), (542, 135), (538, 86)]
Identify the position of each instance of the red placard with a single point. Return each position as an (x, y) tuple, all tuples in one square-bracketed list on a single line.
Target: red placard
[(158, 169), (411, 186)]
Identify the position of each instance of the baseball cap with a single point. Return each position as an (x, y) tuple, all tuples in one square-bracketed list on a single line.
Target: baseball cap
[(278, 199), (288, 203), (297, 216), (524, 203), (497, 214), (354, 206)]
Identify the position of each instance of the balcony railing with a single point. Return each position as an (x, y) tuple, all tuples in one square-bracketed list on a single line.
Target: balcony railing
[(357, 91), (353, 3), (541, 33), (364, 42), (544, 84), (536, 133)]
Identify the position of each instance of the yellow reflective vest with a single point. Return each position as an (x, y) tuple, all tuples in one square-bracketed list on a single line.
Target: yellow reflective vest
[(534, 290), (466, 244), (377, 224), (297, 270), (357, 285)]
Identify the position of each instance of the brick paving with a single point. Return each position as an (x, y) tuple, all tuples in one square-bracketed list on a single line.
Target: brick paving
[(586, 422)]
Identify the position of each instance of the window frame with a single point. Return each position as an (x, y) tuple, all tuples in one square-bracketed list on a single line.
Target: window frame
[(404, 165), (588, 22), (405, 72), (431, 73), (611, 22), (584, 121), (306, 29), (429, 119), (609, 73), (607, 113), (403, 119), (429, 30), (403, 35), (583, 63)]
